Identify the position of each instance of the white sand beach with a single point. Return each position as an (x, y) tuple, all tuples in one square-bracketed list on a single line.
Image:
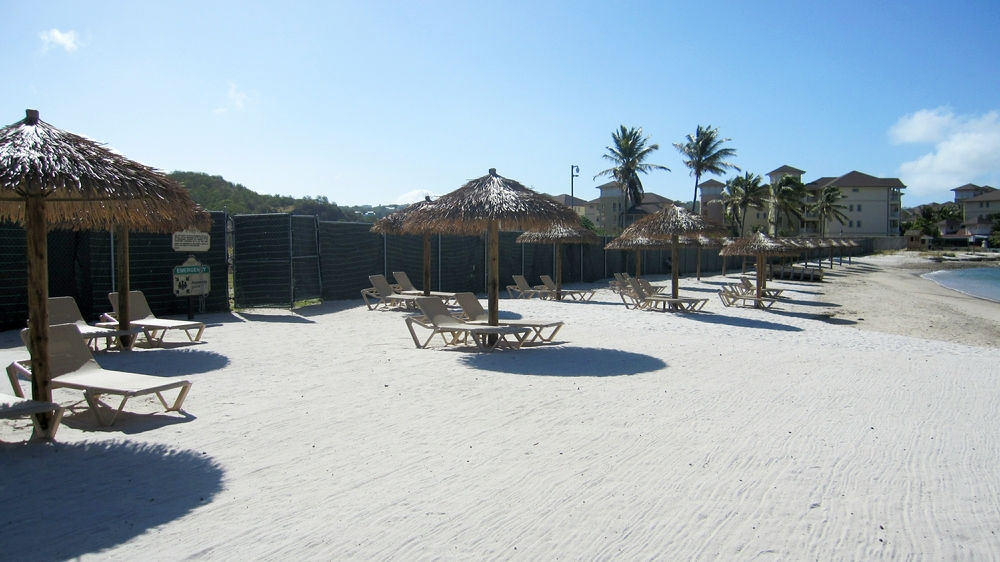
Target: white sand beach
[(858, 420)]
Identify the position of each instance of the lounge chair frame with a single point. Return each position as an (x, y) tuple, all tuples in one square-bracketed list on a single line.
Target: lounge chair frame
[(731, 296), (645, 301), (407, 288), (454, 331), (473, 313), (13, 407), (64, 310), (142, 317), (525, 291), (573, 294), (385, 296), (74, 367)]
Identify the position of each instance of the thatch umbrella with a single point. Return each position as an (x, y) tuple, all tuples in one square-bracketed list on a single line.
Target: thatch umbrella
[(393, 224), (671, 223), (559, 234), (484, 205), (631, 242), (761, 246), (50, 177)]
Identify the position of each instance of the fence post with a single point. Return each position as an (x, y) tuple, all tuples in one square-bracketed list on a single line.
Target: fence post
[(291, 264)]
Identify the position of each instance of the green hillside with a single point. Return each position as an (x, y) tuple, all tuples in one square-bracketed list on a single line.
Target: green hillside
[(214, 193)]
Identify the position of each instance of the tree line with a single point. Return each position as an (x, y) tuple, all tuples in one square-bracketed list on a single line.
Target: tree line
[(214, 193)]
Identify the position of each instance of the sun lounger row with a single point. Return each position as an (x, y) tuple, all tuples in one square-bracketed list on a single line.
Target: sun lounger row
[(747, 287), (382, 294), (796, 273), (523, 290), (642, 297), (731, 296), (473, 323)]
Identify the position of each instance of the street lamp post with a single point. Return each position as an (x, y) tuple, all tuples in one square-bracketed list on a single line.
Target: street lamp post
[(574, 172)]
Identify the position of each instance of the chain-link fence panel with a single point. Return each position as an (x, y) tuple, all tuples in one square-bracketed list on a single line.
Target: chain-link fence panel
[(262, 260), (307, 278), (349, 253)]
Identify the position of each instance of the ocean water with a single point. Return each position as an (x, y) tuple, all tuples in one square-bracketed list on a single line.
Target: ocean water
[(982, 282)]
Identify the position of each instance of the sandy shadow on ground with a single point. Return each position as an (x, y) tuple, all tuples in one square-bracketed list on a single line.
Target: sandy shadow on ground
[(808, 303), (563, 361), (164, 362), (78, 416), (288, 318), (75, 499), (329, 307), (738, 322)]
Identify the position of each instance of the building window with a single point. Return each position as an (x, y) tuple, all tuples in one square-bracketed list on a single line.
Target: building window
[(859, 224), (850, 208), (850, 224), (855, 190), (859, 207)]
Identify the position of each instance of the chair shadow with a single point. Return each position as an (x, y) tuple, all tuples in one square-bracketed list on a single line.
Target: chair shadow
[(809, 303), (78, 416), (164, 362), (812, 316), (72, 499), (562, 361), (738, 322), (288, 318)]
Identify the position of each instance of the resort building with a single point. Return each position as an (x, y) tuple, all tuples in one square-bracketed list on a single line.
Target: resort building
[(981, 206), (970, 190), (610, 212), (872, 206), (711, 200), (575, 203)]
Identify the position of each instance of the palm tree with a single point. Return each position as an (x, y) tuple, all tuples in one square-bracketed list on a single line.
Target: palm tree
[(628, 155), (827, 208), (741, 193), (705, 155), (786, 198)]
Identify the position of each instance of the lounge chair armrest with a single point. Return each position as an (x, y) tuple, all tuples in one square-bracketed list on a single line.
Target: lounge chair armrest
[(109, 317), (22, 367)]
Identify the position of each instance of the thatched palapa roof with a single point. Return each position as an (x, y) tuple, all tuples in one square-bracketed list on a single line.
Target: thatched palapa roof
[(672, 221), (562, 233), (757, 244), (393, 222), (636, 243), (470, 209), (87, 185)]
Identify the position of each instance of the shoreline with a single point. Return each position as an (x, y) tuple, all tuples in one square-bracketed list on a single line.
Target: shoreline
[(927, 276)]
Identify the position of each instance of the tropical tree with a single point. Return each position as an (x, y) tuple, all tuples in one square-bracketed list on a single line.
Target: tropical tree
[(705, 155), (949, 211), (926, 221), (741, 193), (826, 207), (786, 197), (628, 154)]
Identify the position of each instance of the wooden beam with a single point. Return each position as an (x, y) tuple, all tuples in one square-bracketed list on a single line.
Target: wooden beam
[(122, 267), (36, 234)]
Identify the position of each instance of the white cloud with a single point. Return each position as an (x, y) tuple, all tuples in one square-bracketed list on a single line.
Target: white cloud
[(235, 99), (966, 149), (56, 38), (414, 196)]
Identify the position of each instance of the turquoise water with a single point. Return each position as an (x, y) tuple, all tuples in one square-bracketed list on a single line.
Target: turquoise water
[(981, 282)]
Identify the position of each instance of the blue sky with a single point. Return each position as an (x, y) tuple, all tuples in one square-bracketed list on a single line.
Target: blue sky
[(374, 102)]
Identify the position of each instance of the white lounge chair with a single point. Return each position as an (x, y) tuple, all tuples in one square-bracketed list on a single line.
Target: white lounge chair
[(575, 294), (142, 317), (646, 301), (385, 296), (453, 331), (526, 291), (63, 310), (407, 288), (474, 313), (12, 407), (730, 295), (72, 366)]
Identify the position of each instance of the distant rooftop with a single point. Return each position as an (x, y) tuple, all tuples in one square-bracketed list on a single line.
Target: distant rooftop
[(786, 169)]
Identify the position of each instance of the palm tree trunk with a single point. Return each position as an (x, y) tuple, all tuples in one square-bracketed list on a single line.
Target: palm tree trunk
[(638, 264), (694, 200)]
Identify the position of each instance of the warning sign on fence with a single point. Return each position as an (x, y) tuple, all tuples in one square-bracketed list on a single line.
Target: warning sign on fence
[(191, 241)]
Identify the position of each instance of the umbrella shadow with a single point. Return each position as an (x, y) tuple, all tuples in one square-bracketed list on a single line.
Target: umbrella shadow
[(288, 318), (739, 322), (81, 498), (329, 307), (164, 362), (810, 303), (812, 316), (562, 361)]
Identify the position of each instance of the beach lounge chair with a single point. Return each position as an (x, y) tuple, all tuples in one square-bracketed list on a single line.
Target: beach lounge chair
[(575, 294), (63, 310), (385, 296), (142, 317), (453, 331), (526, 291), (650, 288), (72, 366), (646, 301), (473, 312), (730, 295), (749, 288), (618, 284), (13, 407), (407, 288)]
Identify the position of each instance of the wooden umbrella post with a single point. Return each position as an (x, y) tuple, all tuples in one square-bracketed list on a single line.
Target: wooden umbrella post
[(760, 280), (638, 264), (121, 257), (493, 273), (558, 271), (427, 264), (38, 301), (675, 256)]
